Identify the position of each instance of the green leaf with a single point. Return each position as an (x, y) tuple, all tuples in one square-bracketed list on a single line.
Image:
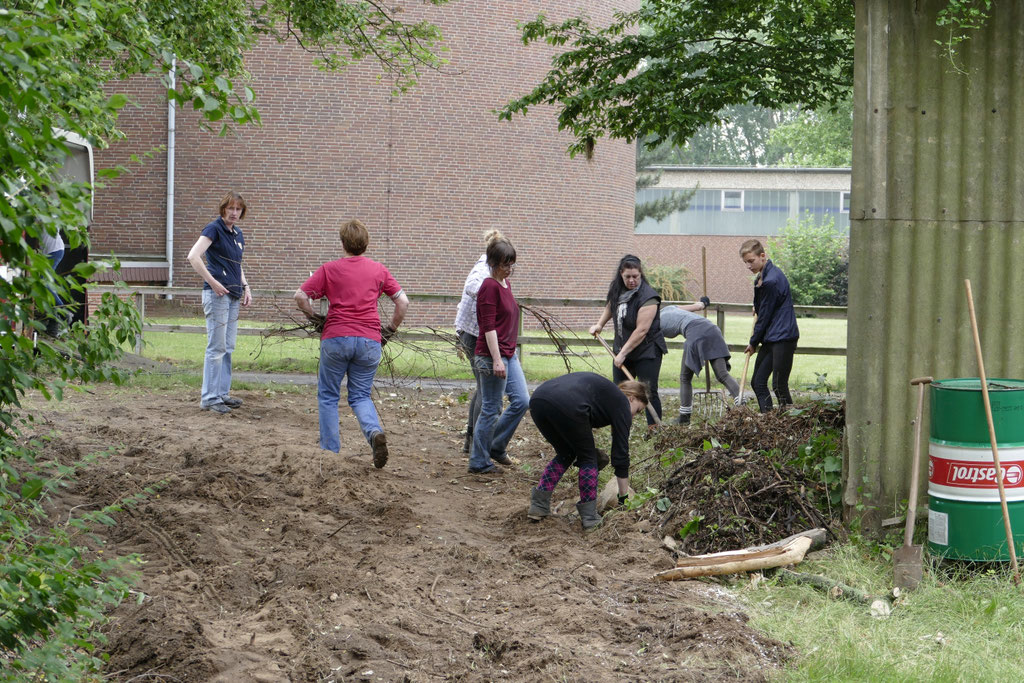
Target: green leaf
[(117, 101), (31, 489)]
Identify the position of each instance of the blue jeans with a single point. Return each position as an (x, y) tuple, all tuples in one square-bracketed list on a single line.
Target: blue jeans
[(221, 330), (494, 428), (55, 258), (358, 357)]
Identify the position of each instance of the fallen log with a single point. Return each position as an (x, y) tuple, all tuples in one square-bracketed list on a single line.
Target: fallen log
[(834, 589), (818, 537), (736, 562)]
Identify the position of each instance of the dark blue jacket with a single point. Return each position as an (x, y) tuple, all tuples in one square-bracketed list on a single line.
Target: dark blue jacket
[(773, 303), (224, 256)]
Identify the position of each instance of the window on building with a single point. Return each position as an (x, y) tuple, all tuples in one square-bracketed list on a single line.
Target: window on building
[(732, 200), (844, 203)]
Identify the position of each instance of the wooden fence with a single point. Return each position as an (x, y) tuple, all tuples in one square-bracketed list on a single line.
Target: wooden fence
[(548, 304)]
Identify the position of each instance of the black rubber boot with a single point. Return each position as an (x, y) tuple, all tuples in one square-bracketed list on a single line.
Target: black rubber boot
[(467, 446), (588, 514), (540, 504), (683, 419)]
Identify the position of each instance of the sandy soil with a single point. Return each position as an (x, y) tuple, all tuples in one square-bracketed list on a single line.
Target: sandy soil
[(267, 559)]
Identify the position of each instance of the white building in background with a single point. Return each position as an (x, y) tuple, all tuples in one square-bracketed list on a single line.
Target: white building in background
[(740, 200)]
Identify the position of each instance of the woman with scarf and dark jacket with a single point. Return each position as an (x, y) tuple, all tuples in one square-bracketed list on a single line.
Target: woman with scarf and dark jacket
[(632, 305)]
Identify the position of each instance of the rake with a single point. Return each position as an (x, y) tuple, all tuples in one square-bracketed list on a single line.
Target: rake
[(650, 408), (707, 404)]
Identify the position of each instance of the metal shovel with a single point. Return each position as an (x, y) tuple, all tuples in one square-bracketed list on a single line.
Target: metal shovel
[(908, 558)]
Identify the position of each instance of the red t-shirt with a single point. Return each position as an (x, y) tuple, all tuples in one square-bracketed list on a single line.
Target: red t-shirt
[(352, 286), (496, 309)]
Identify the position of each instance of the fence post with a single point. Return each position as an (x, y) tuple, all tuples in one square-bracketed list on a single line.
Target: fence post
[(721, 321), (140, 305)]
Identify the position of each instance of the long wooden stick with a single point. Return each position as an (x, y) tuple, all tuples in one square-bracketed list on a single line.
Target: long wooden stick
[(650, 408), (746, 361), (992, 433), (704, 269)]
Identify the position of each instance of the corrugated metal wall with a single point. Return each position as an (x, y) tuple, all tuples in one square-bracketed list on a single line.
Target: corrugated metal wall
[(938, 196)]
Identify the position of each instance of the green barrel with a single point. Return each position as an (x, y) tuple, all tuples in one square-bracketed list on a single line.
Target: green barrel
[(965, 518)]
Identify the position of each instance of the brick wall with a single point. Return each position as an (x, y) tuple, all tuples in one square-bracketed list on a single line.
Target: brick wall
[(428, 171), (729, 281)]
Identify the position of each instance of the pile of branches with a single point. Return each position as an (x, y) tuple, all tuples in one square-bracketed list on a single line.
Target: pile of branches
[(738, 486), (433, 353), (780, 430), (724, 501)]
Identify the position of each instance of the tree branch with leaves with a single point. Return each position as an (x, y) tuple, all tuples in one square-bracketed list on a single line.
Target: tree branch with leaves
[(671, 67)]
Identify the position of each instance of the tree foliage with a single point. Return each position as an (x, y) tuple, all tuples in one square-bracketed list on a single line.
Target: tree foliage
[(820, 139), (61, 67), (815, 258), (665, 206), (691, 60)]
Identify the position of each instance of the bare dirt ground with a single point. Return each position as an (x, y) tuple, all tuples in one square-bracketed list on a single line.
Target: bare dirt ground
[(267, 559)]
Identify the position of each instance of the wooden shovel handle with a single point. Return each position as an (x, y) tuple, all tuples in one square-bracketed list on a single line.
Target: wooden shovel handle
[(746, 361), (915, 471), (650, 408)]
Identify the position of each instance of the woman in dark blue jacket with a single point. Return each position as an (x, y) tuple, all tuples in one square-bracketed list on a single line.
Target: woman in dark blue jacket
[(775, 330)]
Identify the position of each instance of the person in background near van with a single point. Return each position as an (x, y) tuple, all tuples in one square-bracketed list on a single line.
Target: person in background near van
[(775, 330), (566, 410), (704, 344), (497, 316), (53, 247), (352, 337), (224, 288), (632, 305), (467, 330)]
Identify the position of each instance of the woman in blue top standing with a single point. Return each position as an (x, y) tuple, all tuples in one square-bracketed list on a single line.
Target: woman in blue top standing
[(775, 330), (224, 288)]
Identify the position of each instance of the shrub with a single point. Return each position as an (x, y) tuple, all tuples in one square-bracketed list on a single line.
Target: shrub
[(670, 282), (815, 258)]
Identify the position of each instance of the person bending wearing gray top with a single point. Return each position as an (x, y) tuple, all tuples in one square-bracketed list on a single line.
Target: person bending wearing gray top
[(704, 343)]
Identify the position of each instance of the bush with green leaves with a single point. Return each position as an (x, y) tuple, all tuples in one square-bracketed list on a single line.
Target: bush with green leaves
[(815, 258), (63, 69), (670, 282)]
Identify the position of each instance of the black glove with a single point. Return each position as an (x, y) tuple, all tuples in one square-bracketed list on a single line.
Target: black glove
[(706, 301), (318, 321), (623, 498), (386, 333)]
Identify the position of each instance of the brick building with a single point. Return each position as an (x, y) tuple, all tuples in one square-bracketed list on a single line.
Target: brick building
[(428, 171), (731, 205)]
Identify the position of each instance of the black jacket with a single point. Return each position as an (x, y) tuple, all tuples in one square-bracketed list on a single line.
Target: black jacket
[(586, 398)]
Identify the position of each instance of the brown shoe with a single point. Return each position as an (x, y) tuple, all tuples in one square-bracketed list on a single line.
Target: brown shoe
[(380, 450)]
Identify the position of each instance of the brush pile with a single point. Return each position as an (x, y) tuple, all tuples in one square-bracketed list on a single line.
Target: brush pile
[(752, 479)]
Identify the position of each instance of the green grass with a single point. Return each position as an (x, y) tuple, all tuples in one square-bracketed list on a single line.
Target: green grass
[(959, 625), (963, 623), (255, 354)]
